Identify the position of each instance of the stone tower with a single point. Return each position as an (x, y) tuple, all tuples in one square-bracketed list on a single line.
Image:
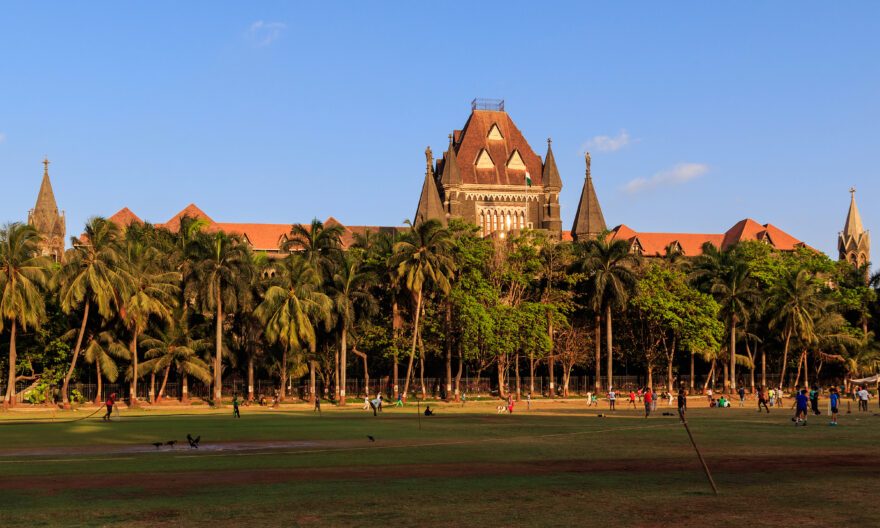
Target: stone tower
[(491, 177), (48, 221), (854, 243), (588, 219)]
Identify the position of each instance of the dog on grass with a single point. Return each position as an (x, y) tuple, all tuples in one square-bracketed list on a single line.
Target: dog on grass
[(502, 409)]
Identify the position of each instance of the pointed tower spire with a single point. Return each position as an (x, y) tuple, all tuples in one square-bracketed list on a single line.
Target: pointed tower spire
[(430, 205), (854, 243), (451, 172), (550, 173), (46, 218), (588, 219)]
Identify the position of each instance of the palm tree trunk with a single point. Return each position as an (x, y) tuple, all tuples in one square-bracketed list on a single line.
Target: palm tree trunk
[(763, 368), (458, 374), (218, 383), (531, 372), (797, 379), (502, 366), (184, 393), (153, 387), (412, 352), (726, 377), (651, 375), (9, 400), (732, 381), (448, 349), (551, 362), (422, 366), (98, 369), (598, 383), (283, 373), (395, 333), (342, 362), (806, 371), (692, 370), (82, 330), (250, 375), (312, 387), (608, 341), (164, 382), (784, 359), (516, 367), (132, 348), (709, 376)]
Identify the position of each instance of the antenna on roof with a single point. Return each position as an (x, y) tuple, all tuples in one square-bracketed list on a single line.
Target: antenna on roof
[(496, 105)]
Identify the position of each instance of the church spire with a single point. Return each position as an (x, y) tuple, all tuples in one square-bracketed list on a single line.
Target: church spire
[(550, 174), (451, 173), (46, 218), (430, 205), (588, 219), (854, 243)]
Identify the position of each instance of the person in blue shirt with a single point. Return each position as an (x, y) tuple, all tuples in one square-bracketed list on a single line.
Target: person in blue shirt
[(801, 400), (814, 401), (835, 399)]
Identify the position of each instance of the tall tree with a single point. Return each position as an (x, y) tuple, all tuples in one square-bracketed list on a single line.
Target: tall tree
[(175, 346), (89, 277), (736, 293), (609, 264), (423, 258), (795, 302), (291, 308), (222, 276), (22, 275), (349, 293)]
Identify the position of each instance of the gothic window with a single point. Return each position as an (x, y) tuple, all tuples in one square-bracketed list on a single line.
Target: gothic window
[(508, 221), (484, 161), (494, 132)]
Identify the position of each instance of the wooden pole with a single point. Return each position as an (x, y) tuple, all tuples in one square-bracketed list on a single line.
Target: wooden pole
[(699, 455)]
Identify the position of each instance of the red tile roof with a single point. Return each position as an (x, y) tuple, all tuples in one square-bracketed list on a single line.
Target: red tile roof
[(654, 244), (124, 217), (190, 210), (473, 138)]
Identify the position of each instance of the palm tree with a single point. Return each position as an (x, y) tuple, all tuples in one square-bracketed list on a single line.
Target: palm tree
[(89, 277), (348, 291), (423, 258), (147, 291), (795, 300), (291, 307), (735, 291), (175, 347), (22, 274), (100, 351), (612, 280), (318, 243), (221, 278)]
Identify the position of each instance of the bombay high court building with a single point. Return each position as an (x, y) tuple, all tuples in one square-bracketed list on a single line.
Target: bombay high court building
[(490, 176)]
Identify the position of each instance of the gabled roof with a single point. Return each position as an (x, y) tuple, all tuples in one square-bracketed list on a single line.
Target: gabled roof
[(124, 217), (474, 138), (191, 211)]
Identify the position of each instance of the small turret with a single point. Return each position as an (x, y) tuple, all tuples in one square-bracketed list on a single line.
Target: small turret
[(854, 243), (588, 219), (46, 218)]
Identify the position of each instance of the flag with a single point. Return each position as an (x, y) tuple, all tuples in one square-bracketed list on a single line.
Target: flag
[(528, 179)]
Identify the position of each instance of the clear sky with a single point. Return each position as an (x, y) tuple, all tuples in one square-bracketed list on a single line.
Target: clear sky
[(697, 114)]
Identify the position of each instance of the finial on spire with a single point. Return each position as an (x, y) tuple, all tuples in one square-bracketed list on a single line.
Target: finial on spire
[(852, 191), (549, 141), (46, 163), (429, 158), (450, 139), (587, 157)]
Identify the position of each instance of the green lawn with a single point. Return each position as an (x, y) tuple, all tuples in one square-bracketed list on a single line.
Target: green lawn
[(557, 465)]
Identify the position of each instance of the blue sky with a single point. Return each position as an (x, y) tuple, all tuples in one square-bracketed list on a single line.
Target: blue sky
[(696, 114)]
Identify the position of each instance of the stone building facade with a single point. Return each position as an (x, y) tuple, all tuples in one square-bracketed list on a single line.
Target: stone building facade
[(490, 176)]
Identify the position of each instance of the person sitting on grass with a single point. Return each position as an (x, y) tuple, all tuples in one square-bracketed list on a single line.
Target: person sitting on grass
[(722, 402), (428, 411), (712, 402)]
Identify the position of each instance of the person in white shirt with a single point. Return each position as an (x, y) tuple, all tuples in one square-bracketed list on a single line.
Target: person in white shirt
[(611, 397), (863, 399)]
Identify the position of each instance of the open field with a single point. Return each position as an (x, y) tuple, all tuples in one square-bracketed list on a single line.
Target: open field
[(556, 465)]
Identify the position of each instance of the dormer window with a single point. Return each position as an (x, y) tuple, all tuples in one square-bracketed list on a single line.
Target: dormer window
[(494, 132), (484, 161), (516, 161)]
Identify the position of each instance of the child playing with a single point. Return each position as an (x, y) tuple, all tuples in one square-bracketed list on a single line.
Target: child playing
[(835, 399)]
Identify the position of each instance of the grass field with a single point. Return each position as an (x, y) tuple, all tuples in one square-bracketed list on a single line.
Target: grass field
[(556, 465)]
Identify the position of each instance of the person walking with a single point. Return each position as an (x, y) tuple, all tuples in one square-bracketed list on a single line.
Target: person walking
[(111, 401), (317, 405), (589, 398), (801, 401), (649, 399), (863, 398), (835, 400), (632, 398), (611, 397), (366, 401), (463, 398), (814, 401), (762, 400), (529, 401), (235, 411), (682, 404), (742, 397)]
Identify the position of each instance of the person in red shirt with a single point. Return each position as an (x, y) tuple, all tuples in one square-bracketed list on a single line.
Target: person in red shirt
[(110, 401), (649, 396), (632, 398)]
